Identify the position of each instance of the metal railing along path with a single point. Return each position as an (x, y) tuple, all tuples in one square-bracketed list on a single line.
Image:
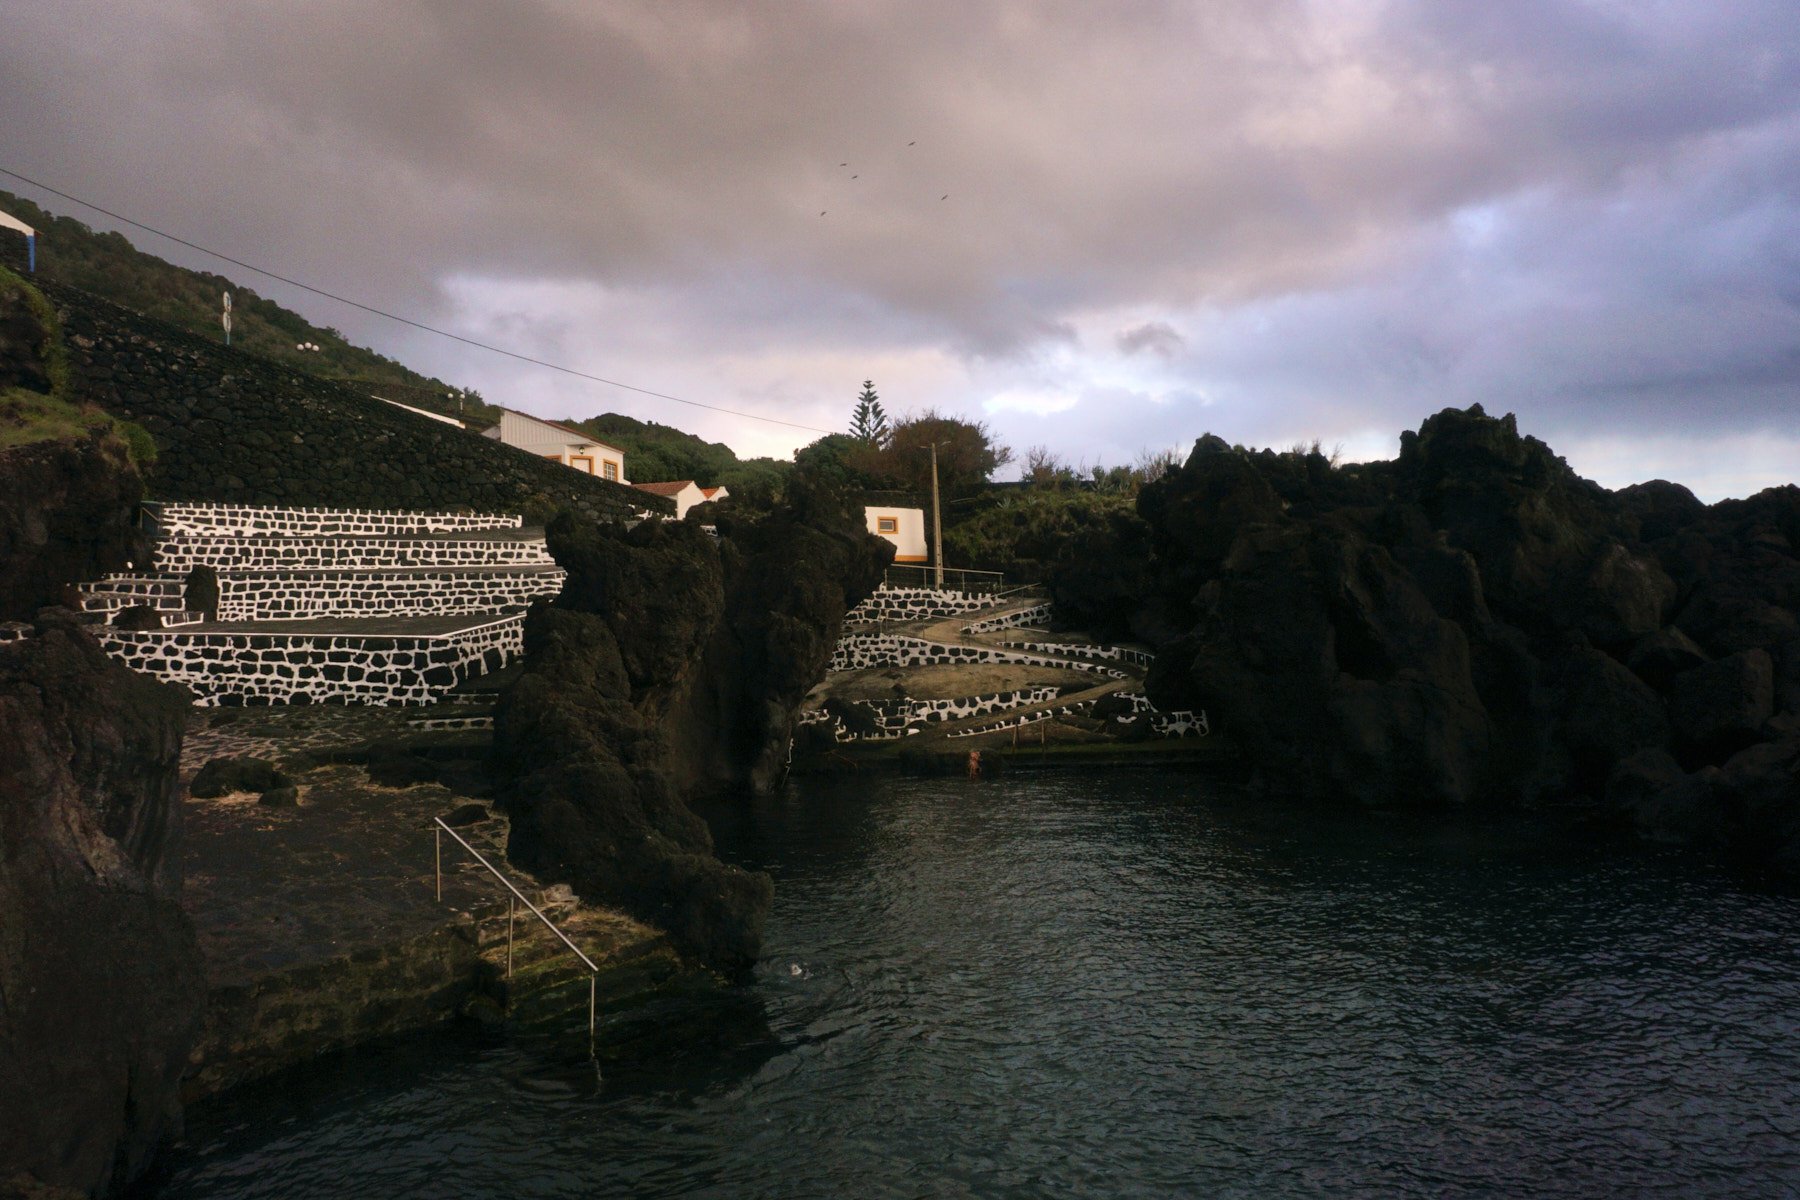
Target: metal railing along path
[(515, 898)]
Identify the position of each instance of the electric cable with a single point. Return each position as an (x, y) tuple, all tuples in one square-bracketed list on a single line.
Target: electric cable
[(455, 337)]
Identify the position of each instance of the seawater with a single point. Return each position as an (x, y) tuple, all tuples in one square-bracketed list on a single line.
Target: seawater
[(1125, 984)]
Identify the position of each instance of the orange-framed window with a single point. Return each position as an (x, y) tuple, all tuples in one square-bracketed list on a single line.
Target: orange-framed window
[(582, 462), (887, 525), (609, 469)]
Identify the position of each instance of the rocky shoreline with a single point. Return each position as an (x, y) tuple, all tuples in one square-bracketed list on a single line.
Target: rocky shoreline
[(1473, 624)]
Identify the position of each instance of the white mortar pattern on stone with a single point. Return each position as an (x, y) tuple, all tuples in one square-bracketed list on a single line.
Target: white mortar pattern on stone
[(244, 520), (1034, 617), (273, 668), (177, 556), (860, 651)]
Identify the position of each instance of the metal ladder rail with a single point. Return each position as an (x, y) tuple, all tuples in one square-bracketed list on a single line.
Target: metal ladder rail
[(517, 897)]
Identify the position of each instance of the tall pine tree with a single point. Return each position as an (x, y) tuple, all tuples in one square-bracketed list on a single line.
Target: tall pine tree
[(868, 423)]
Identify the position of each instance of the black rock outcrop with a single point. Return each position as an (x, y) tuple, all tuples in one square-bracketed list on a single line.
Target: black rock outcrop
[(673, 664), (100, 984), (1474, 623)]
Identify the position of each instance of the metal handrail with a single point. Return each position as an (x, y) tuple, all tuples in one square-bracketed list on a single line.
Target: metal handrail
[(593, 970)]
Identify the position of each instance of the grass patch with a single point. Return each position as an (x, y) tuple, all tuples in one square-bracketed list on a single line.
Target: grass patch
[(27, 417), (55, 354)]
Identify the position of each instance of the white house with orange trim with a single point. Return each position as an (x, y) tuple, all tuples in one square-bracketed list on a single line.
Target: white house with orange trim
[(568, 446), (684, 492), (905, 527)]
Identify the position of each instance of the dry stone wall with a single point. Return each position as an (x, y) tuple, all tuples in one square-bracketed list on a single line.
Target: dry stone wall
[(914, 604), (179, 555), (172, 518), (860, 651), (1035, 617), (303, 668)]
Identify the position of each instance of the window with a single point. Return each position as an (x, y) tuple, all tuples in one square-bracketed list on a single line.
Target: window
[(609, 470), (582, 462), (887, 525)]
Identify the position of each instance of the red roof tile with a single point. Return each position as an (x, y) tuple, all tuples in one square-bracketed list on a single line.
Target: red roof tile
[(665, 489)]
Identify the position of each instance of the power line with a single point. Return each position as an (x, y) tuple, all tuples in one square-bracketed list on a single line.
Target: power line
[(455, 337)]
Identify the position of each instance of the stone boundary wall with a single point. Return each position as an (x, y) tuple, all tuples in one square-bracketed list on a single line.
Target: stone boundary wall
[(280, 596), (172, 518), (233, 428), (1142, 658), (914, 604), (860, 651), (1026, 618), (279, 668), (893, 717), (166, 593), (1024, 719), (179, 555)]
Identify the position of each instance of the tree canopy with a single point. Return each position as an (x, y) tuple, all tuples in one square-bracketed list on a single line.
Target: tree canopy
[(868, 423)]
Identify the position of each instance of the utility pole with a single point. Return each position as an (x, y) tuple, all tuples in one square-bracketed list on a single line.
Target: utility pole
[(937, 524)]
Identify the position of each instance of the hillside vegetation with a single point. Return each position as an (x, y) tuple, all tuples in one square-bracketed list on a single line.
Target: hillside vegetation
[(655, 453), (109, 266)]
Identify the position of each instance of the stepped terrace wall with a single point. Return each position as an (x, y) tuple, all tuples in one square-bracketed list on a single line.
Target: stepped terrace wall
[(317, 668), (234, 428)]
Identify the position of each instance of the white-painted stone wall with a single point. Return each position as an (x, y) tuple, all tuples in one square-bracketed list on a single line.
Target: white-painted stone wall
[(1036, 617), (274, 668), (173, 518), (179, 555), (861, 651), (914, 604)]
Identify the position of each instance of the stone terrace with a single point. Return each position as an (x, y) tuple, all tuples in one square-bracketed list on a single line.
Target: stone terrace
[(320, 605)]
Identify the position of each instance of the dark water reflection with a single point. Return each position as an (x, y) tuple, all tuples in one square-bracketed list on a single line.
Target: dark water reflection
[(1123, 986)]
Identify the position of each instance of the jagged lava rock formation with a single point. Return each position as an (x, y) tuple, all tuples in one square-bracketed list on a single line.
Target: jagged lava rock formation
[(672, 664), (100, 984), (1472, 623)]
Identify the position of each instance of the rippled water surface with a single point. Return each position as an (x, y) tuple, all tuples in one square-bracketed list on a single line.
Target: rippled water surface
[(1125, 985)]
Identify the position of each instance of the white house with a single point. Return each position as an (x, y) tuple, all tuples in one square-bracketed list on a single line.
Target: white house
[(905, 527), (570, 447), (684, 492)]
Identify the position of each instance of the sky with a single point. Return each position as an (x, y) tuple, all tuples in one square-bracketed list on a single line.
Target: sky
[(1101, 228)]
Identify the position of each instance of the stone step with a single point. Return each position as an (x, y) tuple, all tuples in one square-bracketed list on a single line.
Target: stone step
[(413, 660), (178, 555), (172, 518), (96, 601)]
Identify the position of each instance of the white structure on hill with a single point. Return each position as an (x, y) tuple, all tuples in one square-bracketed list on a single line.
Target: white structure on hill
[(570, 447), (684, 492), (905, 527)]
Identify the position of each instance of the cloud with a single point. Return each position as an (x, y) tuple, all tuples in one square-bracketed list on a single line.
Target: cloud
[(1282, 219), (1155, 337)]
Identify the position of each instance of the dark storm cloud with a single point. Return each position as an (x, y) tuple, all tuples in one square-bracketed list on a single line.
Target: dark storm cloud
[(1309, 213), (1155, 337)]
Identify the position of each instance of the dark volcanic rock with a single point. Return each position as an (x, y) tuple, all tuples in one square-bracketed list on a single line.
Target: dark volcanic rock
[(1473, 622), (673, 663), (237, 773), (100, 984), (200, 592), (66, 510), (1719, 708), (139, 616)]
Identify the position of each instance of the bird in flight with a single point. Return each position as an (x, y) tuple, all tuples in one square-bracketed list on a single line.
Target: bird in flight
[(821, 214), (912, 143), (945, 196)]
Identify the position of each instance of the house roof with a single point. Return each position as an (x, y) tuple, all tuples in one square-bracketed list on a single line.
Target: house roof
[(671, 488), (572, 432)]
